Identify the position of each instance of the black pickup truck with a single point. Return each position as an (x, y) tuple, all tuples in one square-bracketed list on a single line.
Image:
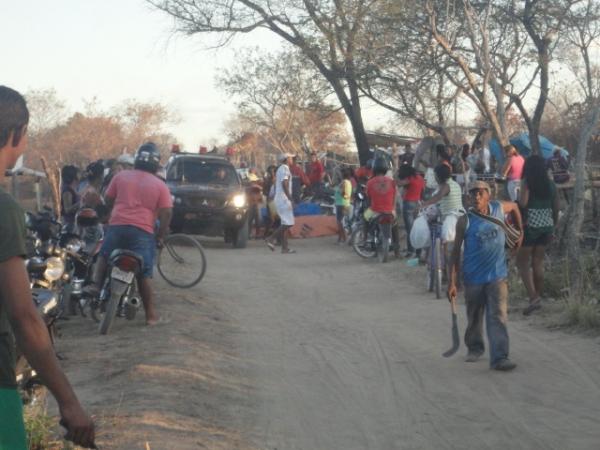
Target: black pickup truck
[(208, 197)]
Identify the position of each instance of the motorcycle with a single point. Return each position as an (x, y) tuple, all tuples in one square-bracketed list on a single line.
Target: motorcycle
[(119, 296), (378, 239), (82, 244), (47, 305)]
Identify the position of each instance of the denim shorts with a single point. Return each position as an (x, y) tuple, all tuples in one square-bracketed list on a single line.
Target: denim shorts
[(128, 237)]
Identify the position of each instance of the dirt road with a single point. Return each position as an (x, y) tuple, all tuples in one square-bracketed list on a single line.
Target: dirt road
[(322, 350)]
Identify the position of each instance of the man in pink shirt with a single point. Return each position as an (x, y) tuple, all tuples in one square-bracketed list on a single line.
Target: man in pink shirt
[(138, 198)]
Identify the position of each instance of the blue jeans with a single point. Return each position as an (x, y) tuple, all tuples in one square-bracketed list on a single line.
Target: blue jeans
[(128, 237), (490, 299), (408, 210)]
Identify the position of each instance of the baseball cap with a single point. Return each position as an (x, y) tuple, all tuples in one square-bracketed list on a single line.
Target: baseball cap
[(479, 185), (282, 157)]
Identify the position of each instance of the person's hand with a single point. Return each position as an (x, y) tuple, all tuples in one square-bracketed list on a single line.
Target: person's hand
[(79, 426), (452, 292), (160, 242)]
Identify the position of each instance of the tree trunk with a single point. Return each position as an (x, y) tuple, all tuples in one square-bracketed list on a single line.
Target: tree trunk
[(353, 111), (577, 207)]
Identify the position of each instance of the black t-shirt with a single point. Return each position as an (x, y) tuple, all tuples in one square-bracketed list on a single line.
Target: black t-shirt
[(12, 243)]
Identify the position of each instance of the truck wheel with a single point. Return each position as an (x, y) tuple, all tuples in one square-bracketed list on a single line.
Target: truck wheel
[(240, 237)]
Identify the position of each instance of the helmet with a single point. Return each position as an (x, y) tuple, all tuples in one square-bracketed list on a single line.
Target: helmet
[(147, 157), (380, 167)]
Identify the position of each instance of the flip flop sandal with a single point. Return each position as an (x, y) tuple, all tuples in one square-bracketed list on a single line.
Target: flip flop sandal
[(289, 251), (534, 306), (271, 246)]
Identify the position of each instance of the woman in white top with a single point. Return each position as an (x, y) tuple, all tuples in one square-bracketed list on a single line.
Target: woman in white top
[(283, 204)]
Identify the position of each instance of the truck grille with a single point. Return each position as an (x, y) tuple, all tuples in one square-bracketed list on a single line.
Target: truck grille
[(203, 202)]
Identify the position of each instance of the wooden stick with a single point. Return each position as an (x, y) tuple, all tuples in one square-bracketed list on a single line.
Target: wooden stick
[(53, 176)]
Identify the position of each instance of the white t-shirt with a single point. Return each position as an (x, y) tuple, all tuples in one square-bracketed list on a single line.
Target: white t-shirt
[(283, 173)]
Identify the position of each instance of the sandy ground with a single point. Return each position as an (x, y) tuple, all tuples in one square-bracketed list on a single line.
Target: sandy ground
[(323, 350)]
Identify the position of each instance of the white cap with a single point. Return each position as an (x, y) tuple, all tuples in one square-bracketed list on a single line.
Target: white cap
[(284, 156), (126, 158)]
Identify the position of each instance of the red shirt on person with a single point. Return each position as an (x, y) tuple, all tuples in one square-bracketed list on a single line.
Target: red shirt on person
[(414, 189), (363, 173), (381, 191), (296, 171), (138, 196), (316, 172)]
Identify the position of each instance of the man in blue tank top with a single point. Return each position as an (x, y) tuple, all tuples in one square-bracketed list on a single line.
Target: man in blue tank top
[(485, 273)]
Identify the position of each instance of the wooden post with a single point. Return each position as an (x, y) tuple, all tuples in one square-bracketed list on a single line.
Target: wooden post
[(53, 176)]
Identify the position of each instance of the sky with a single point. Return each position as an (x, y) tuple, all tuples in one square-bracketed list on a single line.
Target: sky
[(123, 49)]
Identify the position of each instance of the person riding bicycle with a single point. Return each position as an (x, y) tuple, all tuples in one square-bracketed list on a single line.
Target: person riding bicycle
[(138, 198), (381, 191), (449, 199)]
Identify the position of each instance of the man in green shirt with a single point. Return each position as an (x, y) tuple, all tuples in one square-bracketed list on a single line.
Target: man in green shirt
[(17, 311)]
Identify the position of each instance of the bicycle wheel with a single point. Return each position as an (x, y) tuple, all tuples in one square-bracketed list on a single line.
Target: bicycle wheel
[(438, 268), (181, 262)]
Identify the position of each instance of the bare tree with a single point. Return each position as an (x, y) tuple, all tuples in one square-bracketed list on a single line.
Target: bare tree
[(327, 32), (46, 109), (584, 33), (281, 99)]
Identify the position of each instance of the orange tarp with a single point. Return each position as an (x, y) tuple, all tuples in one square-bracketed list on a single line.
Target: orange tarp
[(314, 226)]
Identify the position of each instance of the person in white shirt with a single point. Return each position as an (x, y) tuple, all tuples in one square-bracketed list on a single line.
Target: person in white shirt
[(283, 204)]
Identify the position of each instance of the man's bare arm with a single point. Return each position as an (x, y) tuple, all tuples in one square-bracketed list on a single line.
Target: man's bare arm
[(33, 340), (164, 217), (461, 227)]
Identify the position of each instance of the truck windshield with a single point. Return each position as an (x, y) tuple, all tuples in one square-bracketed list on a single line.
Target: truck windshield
[(201, 172)]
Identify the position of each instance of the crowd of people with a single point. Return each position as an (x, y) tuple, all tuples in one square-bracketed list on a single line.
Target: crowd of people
[(129, 193), (473, 222)]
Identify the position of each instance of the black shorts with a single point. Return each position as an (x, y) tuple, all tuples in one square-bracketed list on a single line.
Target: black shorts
[(535, 240), (341, 211)]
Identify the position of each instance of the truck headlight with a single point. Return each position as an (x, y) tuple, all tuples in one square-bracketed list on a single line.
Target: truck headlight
[(239, 201), (54, 269)]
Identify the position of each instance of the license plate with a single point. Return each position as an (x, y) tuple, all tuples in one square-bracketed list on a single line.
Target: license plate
[(121, 275)]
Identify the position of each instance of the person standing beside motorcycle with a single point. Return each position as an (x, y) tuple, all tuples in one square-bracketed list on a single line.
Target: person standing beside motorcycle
[(138, 198), (18, 315)]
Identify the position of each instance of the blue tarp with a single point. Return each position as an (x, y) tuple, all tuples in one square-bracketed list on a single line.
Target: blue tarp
[(523, 145)]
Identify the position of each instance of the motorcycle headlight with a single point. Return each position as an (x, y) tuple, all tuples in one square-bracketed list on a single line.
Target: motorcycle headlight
[(54, 269), (239, 201), (74, 245)]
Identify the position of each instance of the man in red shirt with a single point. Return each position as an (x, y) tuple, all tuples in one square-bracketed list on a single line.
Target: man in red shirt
[(299, 179), (138, 198), (316, 171), (413, 184), (381, 191)]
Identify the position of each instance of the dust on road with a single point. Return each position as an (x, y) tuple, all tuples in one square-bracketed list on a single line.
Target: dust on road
[(323, 350)]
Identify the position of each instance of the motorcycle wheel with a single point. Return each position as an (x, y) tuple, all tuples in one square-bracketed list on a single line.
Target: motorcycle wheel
[(117, 289), (360, 246)]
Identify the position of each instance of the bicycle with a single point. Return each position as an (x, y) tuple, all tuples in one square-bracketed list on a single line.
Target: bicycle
[(436, 260), (181, 261)]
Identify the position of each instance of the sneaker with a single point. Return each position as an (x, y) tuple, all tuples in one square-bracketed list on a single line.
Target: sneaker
[(408, 254), (504, 365), (473, 357)]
